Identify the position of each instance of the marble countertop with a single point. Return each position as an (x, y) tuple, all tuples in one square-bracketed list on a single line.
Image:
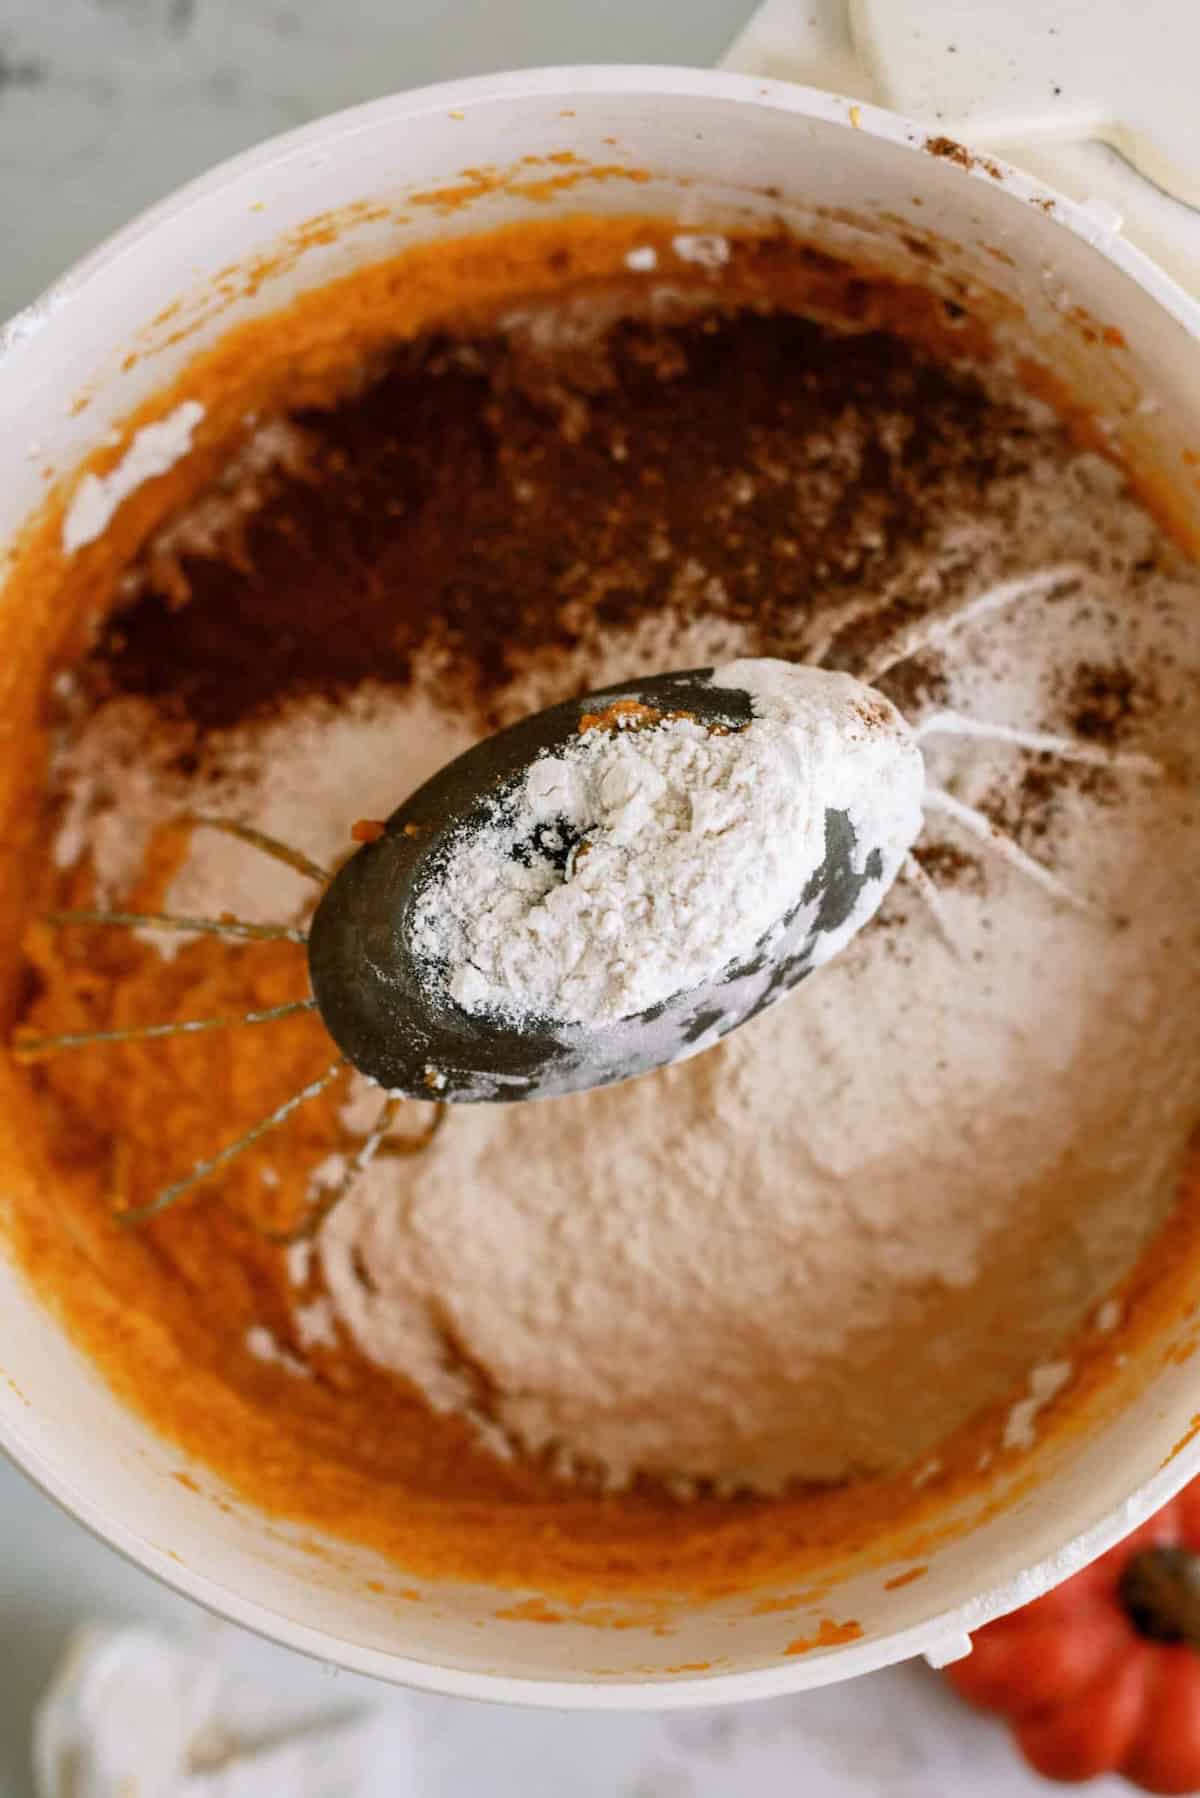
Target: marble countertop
[(105, 105)]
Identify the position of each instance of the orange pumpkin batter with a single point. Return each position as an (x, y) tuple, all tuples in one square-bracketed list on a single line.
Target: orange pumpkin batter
[(352, 1451)]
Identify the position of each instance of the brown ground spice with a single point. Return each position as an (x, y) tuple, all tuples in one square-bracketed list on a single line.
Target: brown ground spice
[(505, 503)]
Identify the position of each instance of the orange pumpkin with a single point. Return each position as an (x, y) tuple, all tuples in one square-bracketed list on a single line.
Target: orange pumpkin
[(1102, 1675)]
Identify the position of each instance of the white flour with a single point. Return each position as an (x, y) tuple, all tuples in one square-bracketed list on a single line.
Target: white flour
[(816, 1249), (690, 849), (155, 449)]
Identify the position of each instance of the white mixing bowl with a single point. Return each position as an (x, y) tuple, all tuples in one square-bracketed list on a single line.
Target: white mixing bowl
[(718, 149)]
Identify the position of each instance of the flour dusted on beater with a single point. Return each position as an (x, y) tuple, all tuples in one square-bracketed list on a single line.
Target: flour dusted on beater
[(647, 857)]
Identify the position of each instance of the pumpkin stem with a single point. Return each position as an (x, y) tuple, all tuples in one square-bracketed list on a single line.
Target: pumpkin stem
[(1160, 1591)]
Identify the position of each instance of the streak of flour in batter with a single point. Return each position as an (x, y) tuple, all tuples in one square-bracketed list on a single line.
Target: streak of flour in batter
[(808, 1252)]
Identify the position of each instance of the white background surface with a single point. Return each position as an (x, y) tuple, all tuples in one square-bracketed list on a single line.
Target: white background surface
[(105, 105)]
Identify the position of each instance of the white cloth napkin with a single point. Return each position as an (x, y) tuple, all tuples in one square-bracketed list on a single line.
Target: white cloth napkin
[(134, 1713)]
